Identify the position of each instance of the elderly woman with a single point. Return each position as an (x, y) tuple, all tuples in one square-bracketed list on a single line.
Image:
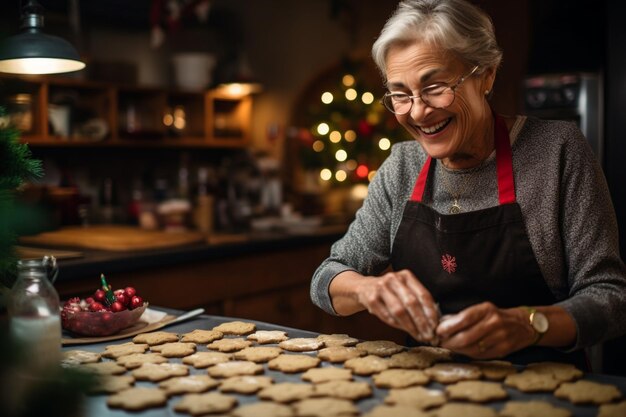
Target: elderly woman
[(502, 224)]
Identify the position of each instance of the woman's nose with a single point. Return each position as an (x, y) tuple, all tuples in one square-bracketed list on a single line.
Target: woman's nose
[(419, 109)]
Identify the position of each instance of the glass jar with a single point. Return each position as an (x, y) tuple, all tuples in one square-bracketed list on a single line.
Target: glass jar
[(20, 112), (34, 312)]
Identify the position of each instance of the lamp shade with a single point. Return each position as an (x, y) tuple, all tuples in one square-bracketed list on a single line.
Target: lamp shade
[(33, 52)]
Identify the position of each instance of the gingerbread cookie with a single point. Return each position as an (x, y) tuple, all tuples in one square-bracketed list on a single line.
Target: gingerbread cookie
[(385, 410), (159, 371), (115, 351), (449, 373), (476, 391), (465, 410), (188, 384), (236, 327), (206, 359), (135, 360), (533, 409), (349, 390), (317, 375), (419, 397), (400, 378), (258, 353), (380, 347), (286, 392), (263, 409), (175, 349), (495, 370), (208, 403), (301, 344), (155, 338), (337, 340), (612, 410), (367, 365), (229, 344), (433, 354), (109, 384), (103, 368), (235, 368), (201, 336), (337, 354), (136, 399), (264, 337), (77, 357), (290, 363), (411, 360), (563, 372), (325, 407), (532, 382), (588, 392), (245, 384)]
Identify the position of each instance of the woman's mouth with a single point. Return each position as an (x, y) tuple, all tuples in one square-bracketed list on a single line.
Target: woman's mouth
[(435, 128)]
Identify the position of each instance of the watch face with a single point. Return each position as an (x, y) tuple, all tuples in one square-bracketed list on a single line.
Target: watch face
[(540, 322)]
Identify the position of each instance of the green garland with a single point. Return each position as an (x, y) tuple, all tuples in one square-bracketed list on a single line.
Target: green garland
[(16, 167)]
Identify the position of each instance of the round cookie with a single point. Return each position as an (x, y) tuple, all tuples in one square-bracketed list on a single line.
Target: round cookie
[(229, 344), (495, 370), (337, 354), (201, 336), (245, 384), (465, 410), (588, 392), (449, 373), (109, 384), (77, 357), (385, 410), (367, 365), (286, 392), (349, 390), (236, 327), (301, 344), (258, 353), (337, 340), (235, 368), (325, 407), (264, 337), (136, 399), (476, 391), (135, 360), (532, 409), (115, 351), (532, 382), (263, 409), (159, 371), (419, 397), (206, 359), (208, 403), (155, 338), (291, 363), (400, 378), (318, 375), (612, 410), (380, 347), (188, 384)]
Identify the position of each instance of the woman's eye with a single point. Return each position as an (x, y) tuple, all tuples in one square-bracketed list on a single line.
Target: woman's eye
[(400, 98), (435, 90)]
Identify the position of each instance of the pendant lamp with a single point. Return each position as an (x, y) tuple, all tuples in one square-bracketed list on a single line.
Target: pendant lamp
[(33, 52)]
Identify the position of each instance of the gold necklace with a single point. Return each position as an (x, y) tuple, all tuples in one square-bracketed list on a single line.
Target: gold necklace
[(455, 208)]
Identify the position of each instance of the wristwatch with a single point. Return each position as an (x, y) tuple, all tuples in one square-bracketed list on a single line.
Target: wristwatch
[(539, 323)]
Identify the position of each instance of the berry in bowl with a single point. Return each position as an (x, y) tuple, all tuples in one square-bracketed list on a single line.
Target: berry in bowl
[(105, 313)]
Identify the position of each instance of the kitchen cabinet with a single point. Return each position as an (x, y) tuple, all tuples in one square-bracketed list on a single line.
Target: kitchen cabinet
[(65, 112)]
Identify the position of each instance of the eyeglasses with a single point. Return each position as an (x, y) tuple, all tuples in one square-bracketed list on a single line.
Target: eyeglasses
[(438, 96)]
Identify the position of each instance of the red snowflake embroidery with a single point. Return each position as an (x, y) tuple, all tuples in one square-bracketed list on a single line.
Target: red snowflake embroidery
[(448, 262)]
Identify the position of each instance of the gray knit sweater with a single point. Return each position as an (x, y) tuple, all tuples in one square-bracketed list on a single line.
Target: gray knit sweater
[(566, 206)]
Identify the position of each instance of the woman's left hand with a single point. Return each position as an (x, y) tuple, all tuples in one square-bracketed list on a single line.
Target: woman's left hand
[(484, 331)]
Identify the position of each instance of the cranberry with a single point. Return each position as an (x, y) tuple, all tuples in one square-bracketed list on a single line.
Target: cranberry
[(96, 306), (130, 292), (89, 300), (122, 298), (135, 302), (99, 295), (116, 307)]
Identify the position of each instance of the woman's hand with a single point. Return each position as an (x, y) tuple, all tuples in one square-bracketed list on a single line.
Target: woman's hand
[(484, 331), (396, 298)]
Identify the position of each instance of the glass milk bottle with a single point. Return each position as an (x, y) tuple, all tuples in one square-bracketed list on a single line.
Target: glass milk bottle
[(34, 311)]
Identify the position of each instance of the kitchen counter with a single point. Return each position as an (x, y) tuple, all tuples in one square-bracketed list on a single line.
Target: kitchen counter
[(96, 405)]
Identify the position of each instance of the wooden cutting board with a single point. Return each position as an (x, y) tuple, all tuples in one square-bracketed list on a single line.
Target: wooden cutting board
[(113, 238)]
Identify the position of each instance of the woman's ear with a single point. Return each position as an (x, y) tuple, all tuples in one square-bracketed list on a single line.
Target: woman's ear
[(488, 79)]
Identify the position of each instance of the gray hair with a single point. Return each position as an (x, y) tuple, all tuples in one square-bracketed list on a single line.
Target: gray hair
[(454, 25)]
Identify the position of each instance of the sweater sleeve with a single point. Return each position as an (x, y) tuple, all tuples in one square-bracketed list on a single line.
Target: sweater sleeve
[(596, 275), (366, 246)]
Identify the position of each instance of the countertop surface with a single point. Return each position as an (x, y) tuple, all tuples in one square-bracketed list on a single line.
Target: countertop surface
[(97, 404)]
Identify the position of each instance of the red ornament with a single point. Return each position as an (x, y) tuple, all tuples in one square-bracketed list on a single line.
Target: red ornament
[(135, 302)]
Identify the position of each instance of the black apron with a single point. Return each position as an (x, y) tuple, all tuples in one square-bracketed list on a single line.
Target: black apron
[(484, 255)]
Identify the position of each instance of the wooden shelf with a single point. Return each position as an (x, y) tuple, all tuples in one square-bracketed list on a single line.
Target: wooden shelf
[(70, 113)]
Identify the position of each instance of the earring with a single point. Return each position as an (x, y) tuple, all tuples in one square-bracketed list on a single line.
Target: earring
[(487, 92)]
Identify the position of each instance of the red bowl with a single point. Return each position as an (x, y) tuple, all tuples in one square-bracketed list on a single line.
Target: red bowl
[(100, 323)]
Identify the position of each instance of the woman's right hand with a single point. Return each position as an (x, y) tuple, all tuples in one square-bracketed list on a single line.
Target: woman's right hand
[(399, 300)]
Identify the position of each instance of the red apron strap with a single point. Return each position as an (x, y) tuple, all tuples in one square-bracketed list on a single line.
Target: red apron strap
[(504, 167), (420, 184)]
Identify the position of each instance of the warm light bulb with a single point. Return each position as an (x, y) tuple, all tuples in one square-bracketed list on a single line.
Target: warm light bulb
[(326, 174), (348, 80), (341, 175), (341, 155), (323, 128), (367, 98), (327, 97), (351, 94), (318, 146), (350, 135), (335, 136), (384, 144)]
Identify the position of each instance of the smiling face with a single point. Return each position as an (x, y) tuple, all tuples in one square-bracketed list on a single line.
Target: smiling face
[(461, 135)]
